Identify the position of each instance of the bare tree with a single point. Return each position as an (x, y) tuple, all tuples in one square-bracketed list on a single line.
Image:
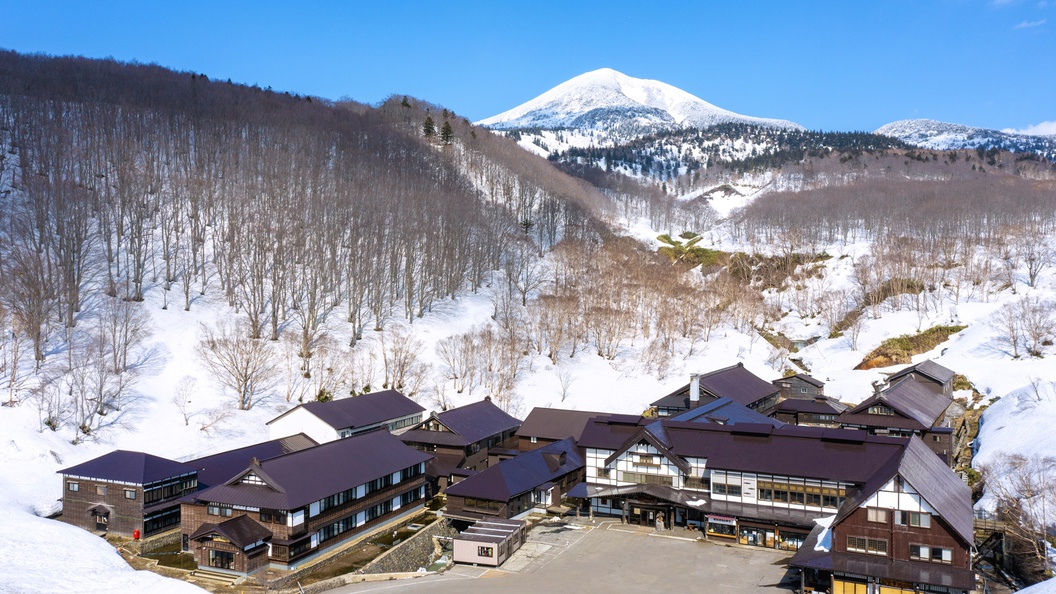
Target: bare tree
[(244, 365), (1025, 491), (181, 397)]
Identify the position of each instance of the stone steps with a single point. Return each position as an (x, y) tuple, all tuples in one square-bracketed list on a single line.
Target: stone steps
[(214, 576)]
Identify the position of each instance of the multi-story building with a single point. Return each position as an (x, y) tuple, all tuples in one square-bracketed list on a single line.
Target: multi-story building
[(461, 437), (734, 382), (285, 510), (336, 419), (126, 493), (765, 486)]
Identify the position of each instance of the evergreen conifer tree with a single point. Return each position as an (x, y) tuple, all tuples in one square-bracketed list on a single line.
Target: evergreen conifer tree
[(447, 134), (428, 127)]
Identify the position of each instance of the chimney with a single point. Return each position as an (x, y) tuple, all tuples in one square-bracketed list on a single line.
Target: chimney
[(254, 461), (694, 389)]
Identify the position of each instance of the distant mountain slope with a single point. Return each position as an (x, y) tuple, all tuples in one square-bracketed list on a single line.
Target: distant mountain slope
[(609, 100), (937, 135)]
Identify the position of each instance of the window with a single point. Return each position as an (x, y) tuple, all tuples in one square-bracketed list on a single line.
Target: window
[(936, 438), (73, 486), (130, 493), (646, 460), (604, 472), (802, 390), (919, 552), (880, 409), (215, 509), (877, 515), (915, 519), (941, 555), (646, 479), (533, 439), (100, 489), (872, 546), (486, 552), (273, 516), (721, 489)]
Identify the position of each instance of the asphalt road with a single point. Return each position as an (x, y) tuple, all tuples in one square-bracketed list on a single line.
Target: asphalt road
[(608, 559)]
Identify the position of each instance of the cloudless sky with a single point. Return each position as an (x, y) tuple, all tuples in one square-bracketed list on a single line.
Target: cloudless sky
[(839, 65)]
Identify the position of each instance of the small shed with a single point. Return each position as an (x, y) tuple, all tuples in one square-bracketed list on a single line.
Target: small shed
[(489, 542)]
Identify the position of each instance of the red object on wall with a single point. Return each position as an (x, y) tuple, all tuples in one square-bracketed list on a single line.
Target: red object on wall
[(135, 535)]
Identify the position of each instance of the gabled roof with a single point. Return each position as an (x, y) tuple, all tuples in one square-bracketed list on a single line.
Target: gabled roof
[(653, 435), (908, 399), (810, 452), (804, 377), (927, 368), (467, 424), (242, 531), (516, 476), (218, 468), (724, 412), (817, 406), (930, 478), (734, 382), (555, 423), (299, 478), (135, 468), (360, 411)]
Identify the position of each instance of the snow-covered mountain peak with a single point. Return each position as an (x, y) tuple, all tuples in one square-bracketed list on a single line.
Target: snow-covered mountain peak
[(935, 135), (606, 99)]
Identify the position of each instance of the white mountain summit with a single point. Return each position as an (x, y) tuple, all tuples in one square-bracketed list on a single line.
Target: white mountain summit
[(609, 100)]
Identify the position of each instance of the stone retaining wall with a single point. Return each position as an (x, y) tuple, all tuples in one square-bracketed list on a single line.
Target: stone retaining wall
[(417, 551)]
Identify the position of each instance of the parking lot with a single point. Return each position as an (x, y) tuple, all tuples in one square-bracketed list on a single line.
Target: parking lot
[(607, 558)]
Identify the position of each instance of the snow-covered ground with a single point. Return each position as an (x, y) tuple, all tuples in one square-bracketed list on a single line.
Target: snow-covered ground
[(47, 556)]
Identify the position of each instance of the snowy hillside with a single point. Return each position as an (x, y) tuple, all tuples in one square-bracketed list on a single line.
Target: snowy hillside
[(936, 135), (609, 100)]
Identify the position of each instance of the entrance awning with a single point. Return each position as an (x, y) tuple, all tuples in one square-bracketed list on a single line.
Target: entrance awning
[(99, 510), (722, 520)]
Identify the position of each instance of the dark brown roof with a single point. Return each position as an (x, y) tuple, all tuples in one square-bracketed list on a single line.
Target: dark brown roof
[(827, 406), (468, 424), (803, 377), (135, 468), (360, 411), (555, 423), (735, 382), (930, 478), (218, 468), (810, 452), (242, 531), (926, 368), (725, 412), (909, 399), (515, 476), (299, 478)]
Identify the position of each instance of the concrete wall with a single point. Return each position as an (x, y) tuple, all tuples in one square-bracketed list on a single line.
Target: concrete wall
[(300, 420)]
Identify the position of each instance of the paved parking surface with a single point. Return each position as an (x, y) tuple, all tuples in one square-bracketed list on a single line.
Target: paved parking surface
[(610, 558)]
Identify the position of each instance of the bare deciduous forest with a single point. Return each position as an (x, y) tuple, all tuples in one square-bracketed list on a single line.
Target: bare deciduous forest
[(119, 180)]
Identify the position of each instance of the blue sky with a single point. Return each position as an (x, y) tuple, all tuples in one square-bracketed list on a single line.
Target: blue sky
[(841, 65)]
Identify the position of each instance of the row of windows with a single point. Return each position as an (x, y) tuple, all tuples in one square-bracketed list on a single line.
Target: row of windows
[(872, 546), (75, 487), (646, 479), (412, 472), (170, 489), (917, 552), (273, 516), (337, 499), (410, 497), (158, 522), (338, 527), (800, 498), (379, 510), (482, 504), (902, 518), (929, 553), (215, 509), (721, 489)]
